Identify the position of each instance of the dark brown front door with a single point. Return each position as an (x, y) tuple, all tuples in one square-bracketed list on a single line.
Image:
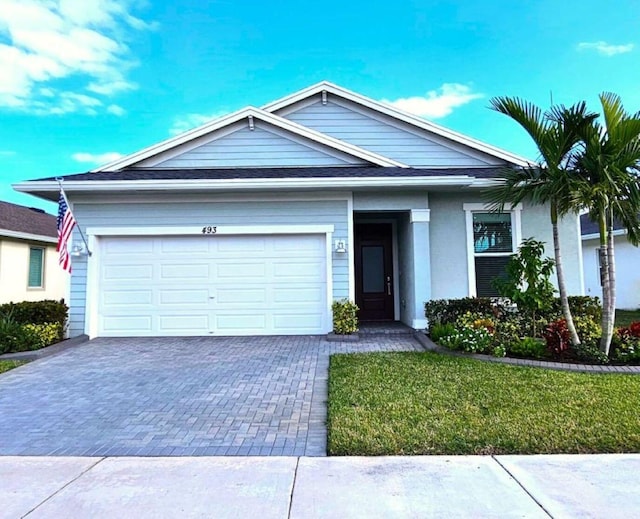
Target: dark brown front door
[(374, 271)]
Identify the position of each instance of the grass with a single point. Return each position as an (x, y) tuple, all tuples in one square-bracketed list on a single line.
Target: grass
[(6, 365), (626, 317), (425, 403)]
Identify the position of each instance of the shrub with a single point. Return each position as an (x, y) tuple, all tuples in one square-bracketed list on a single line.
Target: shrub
[(440, 330), (38, 312), (45, 334), (527, 280), (440, 311), (528, 347), (625, 346), (557, 337), (590, 353), (471, 340), (579, 306), (588, 328), (14, 336), (345, 319)]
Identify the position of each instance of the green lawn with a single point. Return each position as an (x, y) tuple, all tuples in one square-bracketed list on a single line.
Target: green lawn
[(626, 317), (6, 365), (425, 403)]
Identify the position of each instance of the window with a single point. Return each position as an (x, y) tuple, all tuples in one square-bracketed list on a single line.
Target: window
[(492, 240), (36, 267)]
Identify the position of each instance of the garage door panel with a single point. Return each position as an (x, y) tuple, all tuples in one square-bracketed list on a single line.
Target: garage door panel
[(171, 323), (183, 297), (296, 321), (128, 272), (242, 296), (127, 247), (227, 324), (180, 246), (128, 297), (133, 324), (189, 271), (314, 295), (227, 245), (240, 271), (213, 285), (307, 270)]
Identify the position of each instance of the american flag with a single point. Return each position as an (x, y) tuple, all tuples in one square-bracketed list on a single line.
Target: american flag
[(66, 223)]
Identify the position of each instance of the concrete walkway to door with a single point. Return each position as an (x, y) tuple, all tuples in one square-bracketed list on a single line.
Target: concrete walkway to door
[(199, 396)]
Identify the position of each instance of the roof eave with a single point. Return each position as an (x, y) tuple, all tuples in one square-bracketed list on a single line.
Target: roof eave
[(42, 188)]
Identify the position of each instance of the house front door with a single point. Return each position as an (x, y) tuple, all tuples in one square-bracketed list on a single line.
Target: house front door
[(374, 271)]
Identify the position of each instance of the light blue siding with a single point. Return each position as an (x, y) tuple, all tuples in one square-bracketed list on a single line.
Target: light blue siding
[(386, 136), (217, 212), (264, 146)]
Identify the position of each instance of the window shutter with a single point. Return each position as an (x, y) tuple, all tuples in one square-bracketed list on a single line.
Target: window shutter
[(36, 256), (488, 269)]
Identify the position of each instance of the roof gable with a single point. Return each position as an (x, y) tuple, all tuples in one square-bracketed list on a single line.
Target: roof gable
[(224, 125), (326, 93)]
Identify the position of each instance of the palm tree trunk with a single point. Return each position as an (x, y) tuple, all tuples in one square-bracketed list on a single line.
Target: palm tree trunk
[(612, 284), (562, 287), (605, 341)]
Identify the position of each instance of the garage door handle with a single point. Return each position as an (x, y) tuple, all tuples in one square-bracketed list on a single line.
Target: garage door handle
[(211, 297)]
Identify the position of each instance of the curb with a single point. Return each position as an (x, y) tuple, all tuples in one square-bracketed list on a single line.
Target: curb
[(46, 352), (429, 345)]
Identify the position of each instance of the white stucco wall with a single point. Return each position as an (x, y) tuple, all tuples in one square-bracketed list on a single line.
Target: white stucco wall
[(449, 259), (14, 273), (627, 272)]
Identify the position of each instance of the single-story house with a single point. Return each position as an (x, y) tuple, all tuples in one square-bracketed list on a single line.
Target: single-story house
[(627, 264), (255, 222), (29, 268)]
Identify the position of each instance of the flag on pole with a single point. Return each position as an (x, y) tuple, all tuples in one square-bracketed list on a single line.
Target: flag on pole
[(66, 223)]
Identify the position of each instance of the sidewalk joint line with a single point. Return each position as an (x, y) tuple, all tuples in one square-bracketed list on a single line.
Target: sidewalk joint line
[(63, 487), (293, 486), (522, 487)]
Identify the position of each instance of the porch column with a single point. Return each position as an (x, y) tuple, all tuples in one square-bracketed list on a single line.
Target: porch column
[(419, 223)]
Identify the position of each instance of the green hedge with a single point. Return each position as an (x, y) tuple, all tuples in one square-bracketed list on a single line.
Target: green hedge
[(38, 312)]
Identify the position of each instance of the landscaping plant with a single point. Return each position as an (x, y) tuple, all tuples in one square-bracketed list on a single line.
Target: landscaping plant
[(527, 281), (345, 317)]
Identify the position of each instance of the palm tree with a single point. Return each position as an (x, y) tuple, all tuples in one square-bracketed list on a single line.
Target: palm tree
[(556, 134), (609, 186)]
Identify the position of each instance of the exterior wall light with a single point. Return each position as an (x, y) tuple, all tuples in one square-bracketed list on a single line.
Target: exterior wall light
[(340, 246)]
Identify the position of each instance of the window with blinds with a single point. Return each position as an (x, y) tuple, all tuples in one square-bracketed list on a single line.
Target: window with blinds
[(492, 249), (36, 267)]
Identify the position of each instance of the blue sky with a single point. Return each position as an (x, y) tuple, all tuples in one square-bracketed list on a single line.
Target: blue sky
[(82, 81)]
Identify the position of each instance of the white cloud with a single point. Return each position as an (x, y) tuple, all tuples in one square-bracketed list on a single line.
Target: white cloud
[(97, 158), (606, 49), (116, 110), (436, 103), (187, 122), (48, 40)]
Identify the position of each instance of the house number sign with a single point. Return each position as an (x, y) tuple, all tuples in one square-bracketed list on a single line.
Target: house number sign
[(208, 229)]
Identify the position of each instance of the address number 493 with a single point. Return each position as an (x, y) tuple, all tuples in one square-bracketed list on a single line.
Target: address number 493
[(209, 230)]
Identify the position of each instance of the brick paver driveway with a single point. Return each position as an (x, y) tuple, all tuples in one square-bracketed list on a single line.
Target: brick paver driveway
[(176, 397)]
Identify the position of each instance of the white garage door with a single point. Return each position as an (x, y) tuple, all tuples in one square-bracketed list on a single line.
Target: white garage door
[(212, 285)]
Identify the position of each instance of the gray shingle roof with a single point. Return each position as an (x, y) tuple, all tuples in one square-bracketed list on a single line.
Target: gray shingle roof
[(588, 226), (18, 218), (268, 173)]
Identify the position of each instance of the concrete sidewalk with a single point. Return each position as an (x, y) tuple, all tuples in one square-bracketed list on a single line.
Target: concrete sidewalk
[(290, 487)]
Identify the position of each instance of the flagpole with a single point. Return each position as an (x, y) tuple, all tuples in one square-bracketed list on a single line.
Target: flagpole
[(64, 195)]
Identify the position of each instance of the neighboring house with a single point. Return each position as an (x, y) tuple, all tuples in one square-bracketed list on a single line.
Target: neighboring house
[(29, 268), (254, 223), (627, 258)]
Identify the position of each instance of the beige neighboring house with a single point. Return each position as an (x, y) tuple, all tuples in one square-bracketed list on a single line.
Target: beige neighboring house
[(29, 269)]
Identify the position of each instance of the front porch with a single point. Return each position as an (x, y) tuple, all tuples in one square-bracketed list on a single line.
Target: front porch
[(391, 268)]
